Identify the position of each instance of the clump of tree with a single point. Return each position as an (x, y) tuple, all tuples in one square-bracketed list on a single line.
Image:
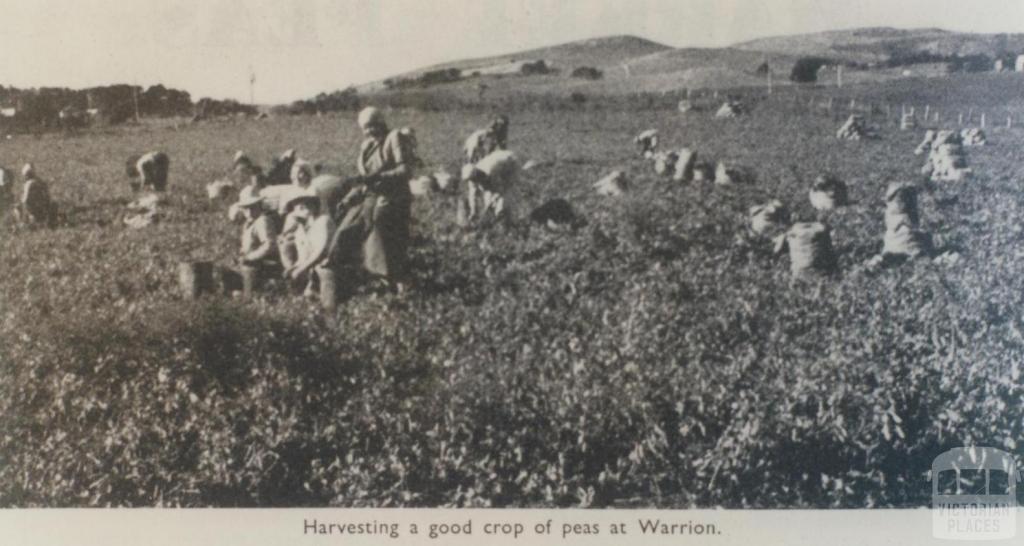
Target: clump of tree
[(427, 79), (50, 108), (970, 63), (538, 67), (587, 73), (211, 108), (805, 70), (160, 101), (915, 57), (344, 100)]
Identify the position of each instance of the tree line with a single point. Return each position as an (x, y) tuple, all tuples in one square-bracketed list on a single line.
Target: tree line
[(52, 108)]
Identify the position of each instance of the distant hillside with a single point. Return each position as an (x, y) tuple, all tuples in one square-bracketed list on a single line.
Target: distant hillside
[(598, 52), (881, 44), (630, 64), (607, 51), (685, 59)]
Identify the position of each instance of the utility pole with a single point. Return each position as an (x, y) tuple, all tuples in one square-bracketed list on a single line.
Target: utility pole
[(252, 87), (135, 99)]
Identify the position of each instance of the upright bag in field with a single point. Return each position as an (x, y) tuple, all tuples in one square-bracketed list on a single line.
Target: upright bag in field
[(810, 249), (684, 165), (195, 279), (902, 235)]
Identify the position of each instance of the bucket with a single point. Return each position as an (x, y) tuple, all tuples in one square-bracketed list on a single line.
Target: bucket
[(328, 288), (421, 186), (195, 279), (250, 280)]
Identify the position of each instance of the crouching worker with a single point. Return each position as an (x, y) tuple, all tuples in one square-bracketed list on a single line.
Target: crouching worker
[(312, 229), (258, 254), (148, 171), (492, 179), (36, 207), (7, 199)]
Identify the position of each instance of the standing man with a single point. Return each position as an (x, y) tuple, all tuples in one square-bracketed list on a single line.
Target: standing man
[(378, 208)]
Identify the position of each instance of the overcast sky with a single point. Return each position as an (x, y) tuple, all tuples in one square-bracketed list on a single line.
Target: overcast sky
[(298, 48)]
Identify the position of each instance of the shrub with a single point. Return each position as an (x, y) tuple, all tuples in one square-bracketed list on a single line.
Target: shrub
[(538, 67), (970, 63), (587, 73), (805, 70)]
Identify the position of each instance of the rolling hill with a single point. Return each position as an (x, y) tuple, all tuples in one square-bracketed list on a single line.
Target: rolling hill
[(631, 64), (881, 44)]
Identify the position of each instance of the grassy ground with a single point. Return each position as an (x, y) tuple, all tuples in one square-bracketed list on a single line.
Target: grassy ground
[(654, 357)]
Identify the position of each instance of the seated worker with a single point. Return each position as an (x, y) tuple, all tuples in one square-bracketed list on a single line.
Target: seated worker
[(254, 183), (259, 237), (312, 239)]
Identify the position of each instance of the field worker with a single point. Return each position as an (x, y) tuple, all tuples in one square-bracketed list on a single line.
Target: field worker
[(493, 178), (499, 132), (647, 143), (254, 183), (484, 141), (302, 173), (313, 234), (148, 171), (378, 207), (36, 206), (292, 224), (259, 237), (240, 166), (281, 167), (240, 160), (7, 199)]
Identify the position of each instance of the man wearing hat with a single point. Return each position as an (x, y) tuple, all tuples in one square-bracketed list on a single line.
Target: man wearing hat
[(378, 215), (312, 237), (259, 236)]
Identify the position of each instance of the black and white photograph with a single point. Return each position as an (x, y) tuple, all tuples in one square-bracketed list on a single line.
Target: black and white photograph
[(674, 257)]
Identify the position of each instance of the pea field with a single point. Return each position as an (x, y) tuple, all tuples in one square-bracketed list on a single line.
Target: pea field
[(653, 355)]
